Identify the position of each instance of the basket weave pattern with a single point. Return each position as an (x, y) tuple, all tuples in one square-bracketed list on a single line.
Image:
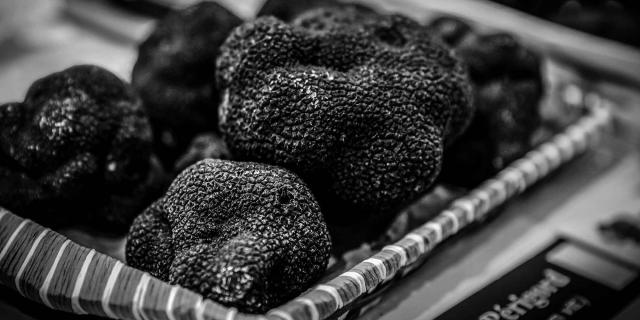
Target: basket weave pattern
[(50, 269)]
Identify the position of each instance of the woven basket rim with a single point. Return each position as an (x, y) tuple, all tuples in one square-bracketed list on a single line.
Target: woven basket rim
[(122, 291)]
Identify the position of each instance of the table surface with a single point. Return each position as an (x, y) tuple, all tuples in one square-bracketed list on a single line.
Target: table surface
[(63, 33)]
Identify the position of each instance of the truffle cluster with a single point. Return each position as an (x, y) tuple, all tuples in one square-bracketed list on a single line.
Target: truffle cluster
[(247, 235), (77, 150), (175, 75), (359, 104), (507, 86)]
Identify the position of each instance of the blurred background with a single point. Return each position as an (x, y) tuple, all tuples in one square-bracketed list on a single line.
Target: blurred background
[(591, 44), (600, 36)]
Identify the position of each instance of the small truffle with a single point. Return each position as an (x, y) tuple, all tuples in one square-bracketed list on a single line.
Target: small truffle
[(358, 104), (77, 151), (507, 86), (244, 234), (204, 146), (175, 75)]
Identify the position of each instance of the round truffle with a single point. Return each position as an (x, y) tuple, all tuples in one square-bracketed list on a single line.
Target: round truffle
[(507, 87), (77, 150), (358, 104), (175, 75), (244, 234)]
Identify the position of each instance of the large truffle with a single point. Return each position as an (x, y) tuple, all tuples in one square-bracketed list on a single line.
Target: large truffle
[(358, 104), (175, 75), (244, 234), (77, 151), (507, 86)]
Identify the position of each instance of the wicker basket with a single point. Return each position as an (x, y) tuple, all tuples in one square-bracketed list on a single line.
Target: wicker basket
[(50, 269)]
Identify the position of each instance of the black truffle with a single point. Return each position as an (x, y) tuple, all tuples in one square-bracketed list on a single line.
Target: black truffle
[(244, 234), (77, 151), (175, 75), (358, 104), (507, 86), (204, 146)]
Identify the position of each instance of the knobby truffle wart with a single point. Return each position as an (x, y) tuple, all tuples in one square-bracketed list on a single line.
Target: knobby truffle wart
[(247, 235), (77, 150), (358, 104), (507, 90), (175, 75)]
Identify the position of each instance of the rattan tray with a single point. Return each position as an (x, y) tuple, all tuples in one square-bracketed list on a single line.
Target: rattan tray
[(48, 268)]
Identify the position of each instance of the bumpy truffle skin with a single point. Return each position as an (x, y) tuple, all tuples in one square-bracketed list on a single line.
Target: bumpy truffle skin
[(358, 104), (507, 90), (77, 150), (244, 234), (175, 75)]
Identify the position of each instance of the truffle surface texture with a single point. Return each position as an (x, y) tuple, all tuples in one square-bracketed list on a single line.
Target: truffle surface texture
[(175, 75), (244, 234), (77, 150), (507, 86), (359, 104)]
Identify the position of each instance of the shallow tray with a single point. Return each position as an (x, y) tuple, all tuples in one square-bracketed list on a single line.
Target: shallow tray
[(50, 269)]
